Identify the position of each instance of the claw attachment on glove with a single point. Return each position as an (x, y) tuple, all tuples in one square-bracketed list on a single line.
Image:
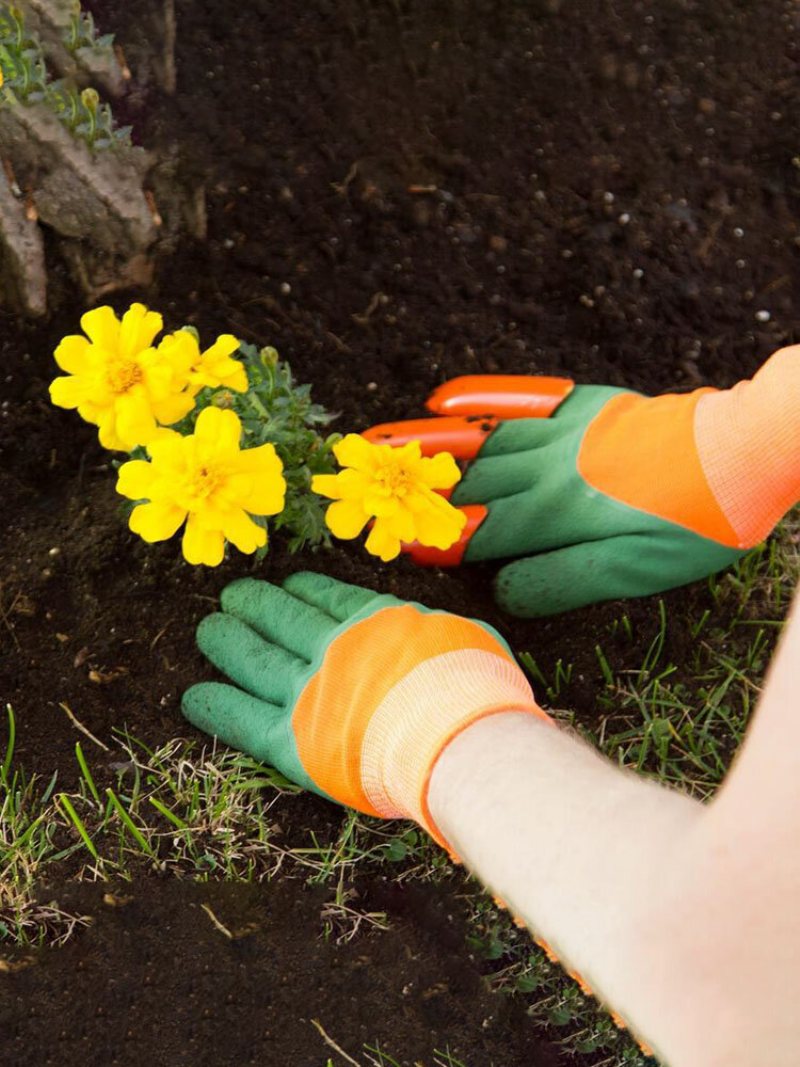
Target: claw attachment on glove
[(349, 693)]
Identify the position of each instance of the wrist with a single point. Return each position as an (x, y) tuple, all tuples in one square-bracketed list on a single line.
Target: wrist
[(422, 714)]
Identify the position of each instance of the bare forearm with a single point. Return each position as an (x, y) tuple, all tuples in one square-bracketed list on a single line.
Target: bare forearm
[(574, 846), (682, 917)]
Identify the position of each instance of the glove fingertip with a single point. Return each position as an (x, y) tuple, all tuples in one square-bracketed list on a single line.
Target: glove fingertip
[(242, 591), (196, 703), (208, 630)]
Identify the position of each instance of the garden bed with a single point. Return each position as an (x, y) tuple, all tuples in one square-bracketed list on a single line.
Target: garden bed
[(397, 193)]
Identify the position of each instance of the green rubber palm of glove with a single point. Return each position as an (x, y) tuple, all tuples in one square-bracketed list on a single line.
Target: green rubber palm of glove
[(571, 543)]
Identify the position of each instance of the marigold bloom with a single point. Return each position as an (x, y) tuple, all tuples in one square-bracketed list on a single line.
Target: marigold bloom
[(395, 487), (213, 368), (117, 380), (207, 481)]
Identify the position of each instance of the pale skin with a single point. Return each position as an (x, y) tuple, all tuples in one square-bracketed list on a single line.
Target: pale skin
[(683, 917)]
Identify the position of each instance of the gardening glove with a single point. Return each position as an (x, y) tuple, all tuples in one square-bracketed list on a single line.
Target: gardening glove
[(351, 694), (605, 493)]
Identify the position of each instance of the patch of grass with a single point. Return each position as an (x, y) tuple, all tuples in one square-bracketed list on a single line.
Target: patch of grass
[(27, 840), (193, 811)]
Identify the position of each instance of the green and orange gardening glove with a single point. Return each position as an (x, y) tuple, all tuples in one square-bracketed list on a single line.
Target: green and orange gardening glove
[(596, 493), (348, 693)]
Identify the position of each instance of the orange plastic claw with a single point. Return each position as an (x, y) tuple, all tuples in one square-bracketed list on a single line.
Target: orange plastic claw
[(462, 437), (506, 396), (449, 557)]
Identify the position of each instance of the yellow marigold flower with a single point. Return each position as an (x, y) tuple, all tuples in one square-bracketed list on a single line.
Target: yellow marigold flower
[(214, 367), (117, 380), (205, 480), (395, 487)]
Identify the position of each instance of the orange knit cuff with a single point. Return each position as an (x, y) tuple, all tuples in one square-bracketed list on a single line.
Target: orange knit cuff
[(748, 441), (422, 714)]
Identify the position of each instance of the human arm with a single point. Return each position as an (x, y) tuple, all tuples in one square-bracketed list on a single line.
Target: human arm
[(681, 917)]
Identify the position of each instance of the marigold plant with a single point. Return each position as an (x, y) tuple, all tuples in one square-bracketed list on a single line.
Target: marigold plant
[(207, 481), (266, 450), (395, 487)]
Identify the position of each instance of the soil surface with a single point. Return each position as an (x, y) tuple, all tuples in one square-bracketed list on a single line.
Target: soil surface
[(397, 192)]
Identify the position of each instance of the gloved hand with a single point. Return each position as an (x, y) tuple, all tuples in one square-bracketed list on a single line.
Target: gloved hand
[(614, 494), (349, 693)]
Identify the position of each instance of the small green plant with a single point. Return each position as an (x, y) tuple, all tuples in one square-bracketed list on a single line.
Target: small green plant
[(24, 77), (562, 675), (85, 115), (82, 32), (22, 64)]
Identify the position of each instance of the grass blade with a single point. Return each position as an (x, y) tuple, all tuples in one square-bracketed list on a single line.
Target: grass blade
[(87, 774), (12, 736), (63, 800), (128, 822)]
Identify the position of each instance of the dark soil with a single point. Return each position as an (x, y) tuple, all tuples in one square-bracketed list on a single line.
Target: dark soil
[(156, 983), (398, 192)]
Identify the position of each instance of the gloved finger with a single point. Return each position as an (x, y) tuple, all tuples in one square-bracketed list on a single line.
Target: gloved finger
[(278, 616), (267, 671), (523, 435), (426, 556), (338, 599), (495, 477), (236, 718), (463, 438), (507, 396), (628, 565)]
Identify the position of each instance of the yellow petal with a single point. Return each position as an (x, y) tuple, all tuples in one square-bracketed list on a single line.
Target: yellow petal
[(236, 379), (90, 411), (156, 521), (101, 326), (262, 460), (139, 328), (173, 409), (221, 351), (68, 392), (72, 355), (158, 375), (201, 545), (346, 519), (407, 455), (217, 368), (440, 527), (180, 352), (241, 531), (135, 422), (381, 504), (354, 451), (326, 485), (107, 432), (401, 525), (440, 471), (135, 479), (382, 543), (219, 429), (260, 488), (354, 485), (167, 449)]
